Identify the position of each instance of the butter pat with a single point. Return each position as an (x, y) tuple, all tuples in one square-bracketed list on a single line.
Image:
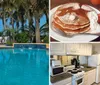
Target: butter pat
[(72, 17)]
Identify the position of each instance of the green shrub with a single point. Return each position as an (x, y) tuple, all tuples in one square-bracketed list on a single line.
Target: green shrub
[(45, 39), (1, 33), (22, 37), (9, 43)]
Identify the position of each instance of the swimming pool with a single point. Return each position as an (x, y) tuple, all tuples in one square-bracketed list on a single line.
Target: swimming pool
[(24, 67)]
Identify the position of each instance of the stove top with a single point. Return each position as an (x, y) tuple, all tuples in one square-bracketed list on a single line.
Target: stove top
[(77, 72)]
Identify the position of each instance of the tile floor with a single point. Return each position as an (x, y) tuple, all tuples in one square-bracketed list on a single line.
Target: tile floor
[(96, 84)]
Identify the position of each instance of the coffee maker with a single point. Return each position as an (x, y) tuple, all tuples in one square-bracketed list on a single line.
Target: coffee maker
[(75, 61)]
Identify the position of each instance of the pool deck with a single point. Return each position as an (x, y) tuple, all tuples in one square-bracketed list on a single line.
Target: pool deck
[(5, 46), (47, 46)]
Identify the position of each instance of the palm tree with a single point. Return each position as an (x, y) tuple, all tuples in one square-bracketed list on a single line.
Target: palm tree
[(11, 33), (38, 13), (20, 11), (46, 10), (3, 12), (7, 11), (29, 16), (44, 33)]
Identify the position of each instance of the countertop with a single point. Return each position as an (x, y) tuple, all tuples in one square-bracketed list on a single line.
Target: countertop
[(66, 75), (87, 68), (60, 77)]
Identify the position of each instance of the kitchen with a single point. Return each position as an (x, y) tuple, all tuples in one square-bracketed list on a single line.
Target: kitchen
[(75, 63)]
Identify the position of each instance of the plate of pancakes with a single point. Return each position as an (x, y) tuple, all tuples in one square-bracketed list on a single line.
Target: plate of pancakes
[(74, 22)]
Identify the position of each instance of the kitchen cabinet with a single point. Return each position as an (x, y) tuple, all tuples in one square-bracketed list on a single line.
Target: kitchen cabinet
[(57, 49), (67, 81), (64, 60), (79, 49), (72, 49), (89, 77), (85, 79)]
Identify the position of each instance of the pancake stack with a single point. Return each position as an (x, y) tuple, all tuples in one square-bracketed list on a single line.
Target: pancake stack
[(71, 18)]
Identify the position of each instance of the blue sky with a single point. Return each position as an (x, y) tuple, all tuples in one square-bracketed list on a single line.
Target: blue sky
[(42, 21), (1, 25)]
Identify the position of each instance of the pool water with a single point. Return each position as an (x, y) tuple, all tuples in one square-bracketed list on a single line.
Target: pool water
[(24, 67)]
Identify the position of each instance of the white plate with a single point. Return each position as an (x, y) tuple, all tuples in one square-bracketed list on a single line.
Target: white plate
[(77, 38)]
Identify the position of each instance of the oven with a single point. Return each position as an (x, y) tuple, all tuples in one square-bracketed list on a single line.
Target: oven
[(78, 81)]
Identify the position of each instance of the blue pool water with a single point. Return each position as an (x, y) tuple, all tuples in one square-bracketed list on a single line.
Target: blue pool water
[(24, 67)]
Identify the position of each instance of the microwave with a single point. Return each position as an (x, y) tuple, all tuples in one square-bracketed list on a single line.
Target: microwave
[(57, 70)]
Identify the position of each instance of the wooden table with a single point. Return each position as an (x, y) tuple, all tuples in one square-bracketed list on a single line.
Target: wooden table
[(54, 3)]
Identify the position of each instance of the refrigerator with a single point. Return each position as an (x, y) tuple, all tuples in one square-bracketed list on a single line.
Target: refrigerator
[(94, 61)]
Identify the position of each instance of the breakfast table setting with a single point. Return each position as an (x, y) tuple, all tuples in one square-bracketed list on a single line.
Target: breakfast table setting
[(93, 3)]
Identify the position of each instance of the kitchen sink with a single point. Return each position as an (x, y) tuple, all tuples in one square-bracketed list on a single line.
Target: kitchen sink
[(87, 67)]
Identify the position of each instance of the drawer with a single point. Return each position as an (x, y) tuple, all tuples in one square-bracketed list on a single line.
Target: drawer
[(91, 71), (64, 82)]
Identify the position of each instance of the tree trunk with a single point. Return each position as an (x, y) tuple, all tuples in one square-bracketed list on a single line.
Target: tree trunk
[(4, 21), (30, 26), (17, 24), (22, 25), (13, 38), (17, 21), (47, 16), (37, 30), (12, 22), (22, 22)]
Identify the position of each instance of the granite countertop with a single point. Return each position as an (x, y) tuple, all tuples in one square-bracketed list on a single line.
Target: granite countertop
[(60, 77), (87, 68)]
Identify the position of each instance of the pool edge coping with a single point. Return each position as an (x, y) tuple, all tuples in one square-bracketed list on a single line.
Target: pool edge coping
[(47, 45)]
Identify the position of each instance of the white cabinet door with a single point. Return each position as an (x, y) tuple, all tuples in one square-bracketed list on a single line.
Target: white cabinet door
[(88, 49), (85, 49), (57, 49), (72, 48), (98, 74), (86, 79), (89, 77), (79, 49)]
